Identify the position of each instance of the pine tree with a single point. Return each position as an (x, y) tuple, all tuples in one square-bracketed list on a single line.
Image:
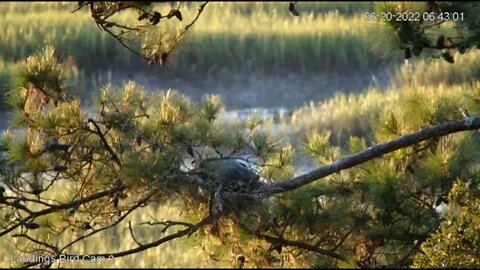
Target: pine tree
[(139, 148)]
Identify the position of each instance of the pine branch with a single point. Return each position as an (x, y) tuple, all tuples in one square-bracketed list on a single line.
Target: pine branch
[(379, 150)]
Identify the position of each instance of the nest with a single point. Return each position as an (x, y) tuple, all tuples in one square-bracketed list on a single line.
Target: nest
[(238, 198), (233, 186)]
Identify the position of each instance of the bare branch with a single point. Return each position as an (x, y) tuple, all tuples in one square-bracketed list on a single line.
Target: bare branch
[(186, 232), (80, 7), (167, 223), (179, 37), (200, 10), (133, 236), (63, 207), (53, 248), (123, 43), (104, 141), (129, 211)]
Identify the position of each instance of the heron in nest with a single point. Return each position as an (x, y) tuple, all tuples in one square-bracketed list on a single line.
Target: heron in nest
[(234, 186), (233, 174)]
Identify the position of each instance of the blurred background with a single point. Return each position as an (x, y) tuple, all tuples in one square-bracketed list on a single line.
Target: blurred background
[(322, 70)]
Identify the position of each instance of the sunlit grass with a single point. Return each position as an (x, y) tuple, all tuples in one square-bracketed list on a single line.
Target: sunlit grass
[(435, 72), (259, 36), (354, 114)]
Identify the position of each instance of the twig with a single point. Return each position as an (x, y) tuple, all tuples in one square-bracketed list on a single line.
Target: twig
[(63, 207), (302, 245), (167, 223), (80, 7), (54, 248), (111, 225), (200, 11), (133, 236), (433, 24), (104, 141), (182, 233), (102, 22), (125, 45)]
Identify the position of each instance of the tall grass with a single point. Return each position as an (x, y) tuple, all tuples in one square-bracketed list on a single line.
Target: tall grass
[(75, 35), (245, 8), (344, 115), (250, 8), (31, 7), (353, 114), (258, 36), (311, 42), (434, 72), (7, 72)]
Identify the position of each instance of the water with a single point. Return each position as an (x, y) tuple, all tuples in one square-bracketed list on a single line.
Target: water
[(275, 113)]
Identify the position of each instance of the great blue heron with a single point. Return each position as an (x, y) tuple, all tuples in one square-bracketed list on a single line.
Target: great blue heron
[(233, 174)]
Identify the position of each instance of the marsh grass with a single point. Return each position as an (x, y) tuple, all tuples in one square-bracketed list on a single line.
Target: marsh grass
[(237, 36), (434, 72), (357, 114)]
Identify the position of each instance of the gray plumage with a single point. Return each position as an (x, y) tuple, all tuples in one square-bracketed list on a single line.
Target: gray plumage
[(231, 173)]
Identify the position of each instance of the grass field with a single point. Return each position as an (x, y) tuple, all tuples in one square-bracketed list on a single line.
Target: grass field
[(351, 114), (258, 36)]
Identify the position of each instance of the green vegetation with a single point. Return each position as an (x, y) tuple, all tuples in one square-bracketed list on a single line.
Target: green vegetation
[(457, 242), (352, 115), (265, 40)]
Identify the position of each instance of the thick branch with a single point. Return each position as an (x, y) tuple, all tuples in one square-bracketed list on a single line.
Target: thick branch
[(471, 123)]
